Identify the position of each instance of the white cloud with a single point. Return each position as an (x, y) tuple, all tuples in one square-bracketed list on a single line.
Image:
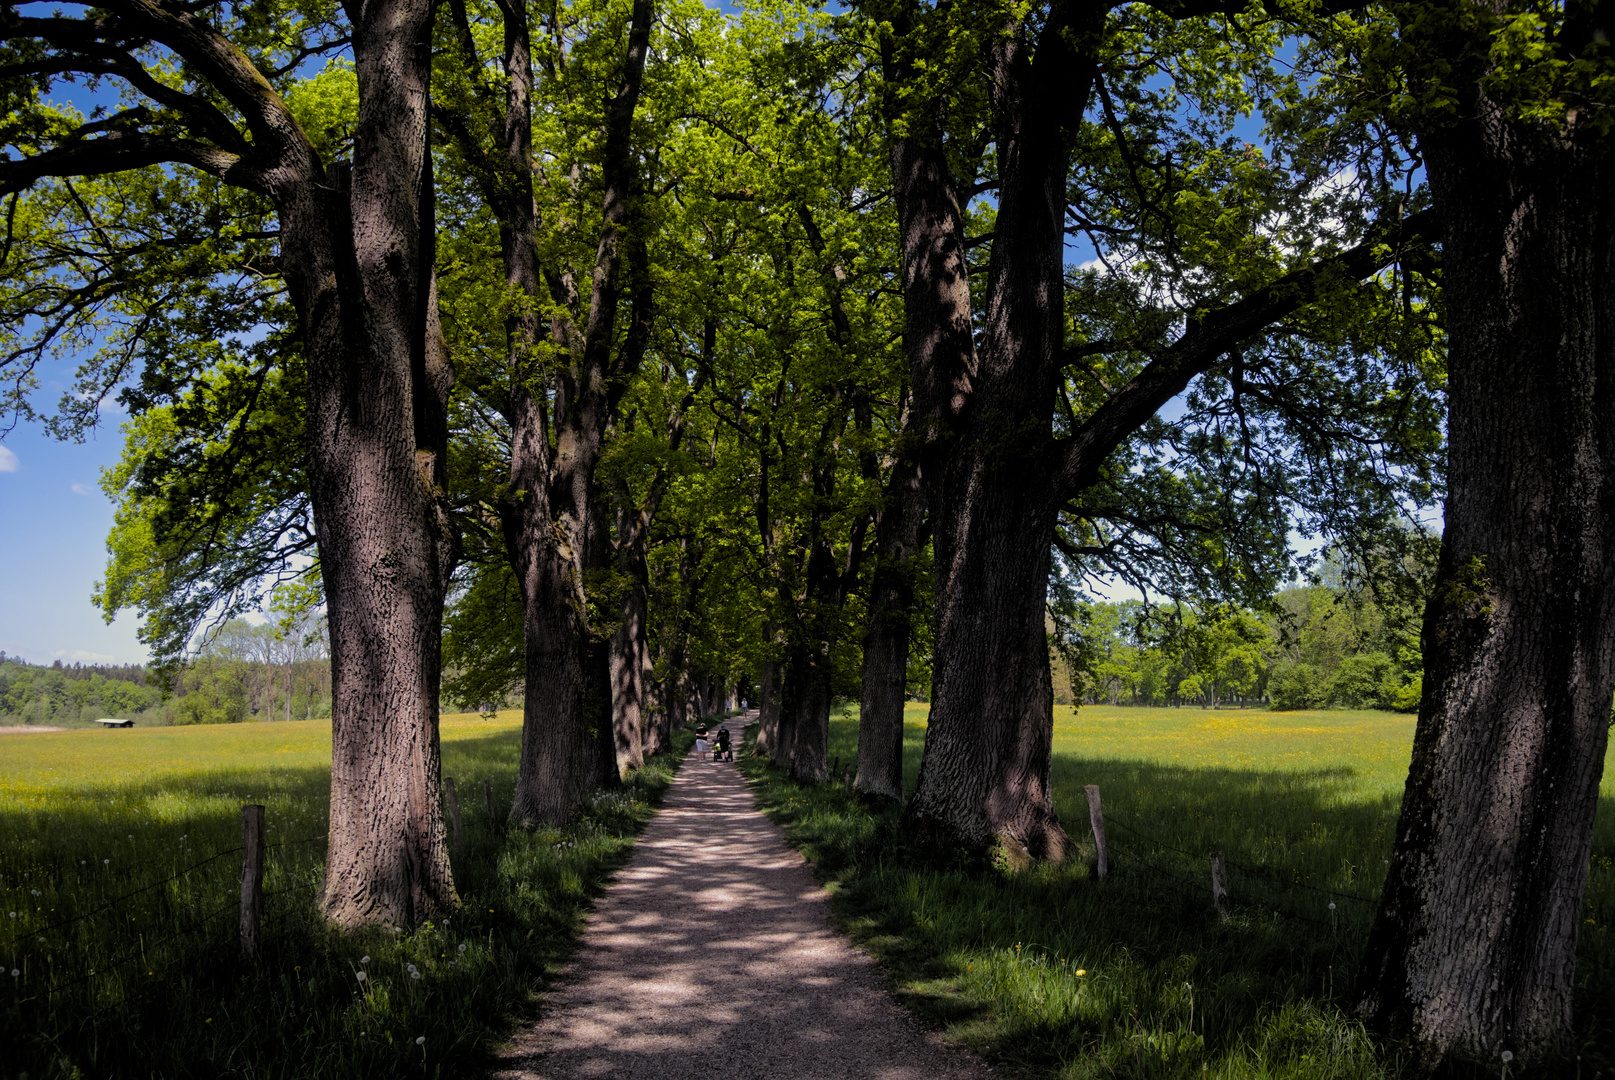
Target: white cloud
[(107, 405), (82, 489), (8, 460), (1096, 264)]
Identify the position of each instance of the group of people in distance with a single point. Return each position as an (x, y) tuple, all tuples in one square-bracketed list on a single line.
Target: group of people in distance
[(721, 749)]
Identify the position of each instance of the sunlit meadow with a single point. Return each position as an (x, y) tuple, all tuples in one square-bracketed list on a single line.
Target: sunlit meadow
[(119, 941), (1053, 972)]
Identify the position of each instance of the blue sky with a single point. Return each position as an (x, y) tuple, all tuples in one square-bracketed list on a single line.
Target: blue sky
[(53, 529)]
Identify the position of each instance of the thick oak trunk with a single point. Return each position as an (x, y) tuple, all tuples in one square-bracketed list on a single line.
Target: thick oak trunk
[(805, 714), (377, 438), (1473, 948), (630, 648), (768, 710), (886, 640), (984, 779), (557, 766)]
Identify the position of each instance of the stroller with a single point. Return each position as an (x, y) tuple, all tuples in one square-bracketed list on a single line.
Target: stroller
[(723, 751)]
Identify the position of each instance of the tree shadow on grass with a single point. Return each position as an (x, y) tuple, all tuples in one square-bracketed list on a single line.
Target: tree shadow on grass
[(1167, 987), (153, 983)]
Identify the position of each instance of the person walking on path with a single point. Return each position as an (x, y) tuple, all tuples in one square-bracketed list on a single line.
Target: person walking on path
[(712, 955)]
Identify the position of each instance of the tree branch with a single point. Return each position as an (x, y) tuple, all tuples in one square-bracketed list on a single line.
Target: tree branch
[(128, 150), (1212, 336)]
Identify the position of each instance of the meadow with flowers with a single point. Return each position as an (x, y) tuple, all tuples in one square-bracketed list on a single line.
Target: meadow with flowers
[(1055, 972), (120, 875)]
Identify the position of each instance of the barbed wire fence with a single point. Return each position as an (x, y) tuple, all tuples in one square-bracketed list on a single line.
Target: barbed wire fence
[(1199, 893), (186, 925)]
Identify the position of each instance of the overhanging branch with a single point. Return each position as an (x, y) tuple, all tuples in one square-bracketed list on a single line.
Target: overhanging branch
[(1210, 337)]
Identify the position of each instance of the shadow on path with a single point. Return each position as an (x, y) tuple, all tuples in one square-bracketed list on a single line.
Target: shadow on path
[(712, 955)]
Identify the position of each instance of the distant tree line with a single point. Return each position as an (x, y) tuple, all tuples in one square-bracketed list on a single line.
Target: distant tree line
[(241, 672), (60, 693), (1317, 647)]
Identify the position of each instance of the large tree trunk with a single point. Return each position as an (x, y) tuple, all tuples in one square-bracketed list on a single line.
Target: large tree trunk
[(358, 255), (985, 775), (1473, 948), (805, 713), (556, 768), (898, 539), (630, 646), (768, 710)]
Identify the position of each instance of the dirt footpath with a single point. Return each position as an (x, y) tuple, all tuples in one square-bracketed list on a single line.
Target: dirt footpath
[(712, 955)]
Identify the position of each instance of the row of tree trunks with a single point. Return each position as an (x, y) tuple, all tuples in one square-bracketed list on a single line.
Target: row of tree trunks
[(561, 533), (639, 729), (1473, 948)]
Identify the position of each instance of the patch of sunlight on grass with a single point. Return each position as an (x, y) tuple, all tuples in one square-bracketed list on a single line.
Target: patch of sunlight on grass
[(1053, 973)]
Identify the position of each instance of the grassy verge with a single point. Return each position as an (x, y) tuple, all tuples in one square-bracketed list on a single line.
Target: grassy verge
[(152, 985), (1056, 973)]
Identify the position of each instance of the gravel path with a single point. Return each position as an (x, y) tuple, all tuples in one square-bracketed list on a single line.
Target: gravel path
[(712, 955)]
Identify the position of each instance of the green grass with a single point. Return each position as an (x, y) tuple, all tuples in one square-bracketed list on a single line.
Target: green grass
[(1054, 973), (154, 986)]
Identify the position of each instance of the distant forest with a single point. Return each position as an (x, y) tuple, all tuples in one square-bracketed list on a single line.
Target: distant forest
[(242, 672), (1316, 647)]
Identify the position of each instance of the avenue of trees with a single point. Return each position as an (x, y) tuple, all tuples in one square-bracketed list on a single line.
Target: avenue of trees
[(624, 353)]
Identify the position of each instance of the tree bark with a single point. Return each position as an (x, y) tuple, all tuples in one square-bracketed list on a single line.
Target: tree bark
[(899, 536), (805, 713), (555, 526), (1473, 948), (984, 779), (630, 646), (378, 381), (768, 707)]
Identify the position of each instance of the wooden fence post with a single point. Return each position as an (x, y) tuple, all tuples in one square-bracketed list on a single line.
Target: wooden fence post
[(1219, 884), (1096, 817), (487, 799), (454, 812), (252, 876)]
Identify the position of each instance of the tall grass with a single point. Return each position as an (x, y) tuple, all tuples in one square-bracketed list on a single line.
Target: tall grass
[(153, 984), (1053, 972)]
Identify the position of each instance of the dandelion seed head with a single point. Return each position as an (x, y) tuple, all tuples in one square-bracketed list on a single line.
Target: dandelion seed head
[(1508, 1056), (364, 959), (359, 975), (420, 1040)]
